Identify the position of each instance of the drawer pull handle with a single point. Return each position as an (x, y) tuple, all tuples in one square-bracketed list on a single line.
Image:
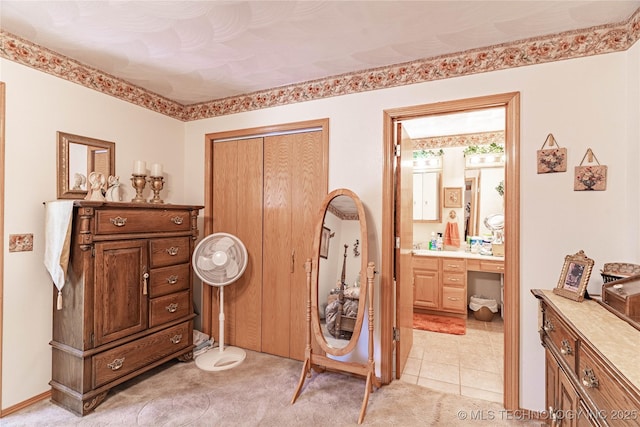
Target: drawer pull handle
[(116, 364), (453, 299), (177, 220), (454, 266), (176, 338), (118, 221), (172, 280), (566, 348), (589, 379), (145, 287), (171, 308), (548, 326), (173, 251), (501, 268), (453, 279)]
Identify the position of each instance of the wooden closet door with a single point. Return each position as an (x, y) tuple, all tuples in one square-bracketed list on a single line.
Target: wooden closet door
[(293, 191), (237, 209)]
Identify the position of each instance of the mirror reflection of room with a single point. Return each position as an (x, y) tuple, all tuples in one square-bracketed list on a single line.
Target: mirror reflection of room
[(339, 272), (458, 241)]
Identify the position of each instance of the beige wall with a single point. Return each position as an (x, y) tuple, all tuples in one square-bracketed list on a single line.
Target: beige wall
[(583, 102), (38, 105), (590, 102)]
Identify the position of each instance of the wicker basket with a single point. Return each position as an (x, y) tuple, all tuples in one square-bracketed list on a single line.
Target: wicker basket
[(618, 270), (484, 314)]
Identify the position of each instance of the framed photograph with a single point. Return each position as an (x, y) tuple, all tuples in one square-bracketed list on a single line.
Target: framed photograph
[(452, 197), (324, 242), (575, 275)]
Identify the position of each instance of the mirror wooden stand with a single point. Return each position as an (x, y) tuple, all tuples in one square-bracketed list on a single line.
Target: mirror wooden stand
[(335, 328)]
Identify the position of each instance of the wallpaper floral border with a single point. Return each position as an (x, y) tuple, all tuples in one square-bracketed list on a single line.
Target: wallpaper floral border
[(568, 45), (480, 138)]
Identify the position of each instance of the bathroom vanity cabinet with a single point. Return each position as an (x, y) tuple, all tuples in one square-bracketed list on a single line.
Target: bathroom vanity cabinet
[(440, 281), (127, 306), (440, 284), (592, 376)]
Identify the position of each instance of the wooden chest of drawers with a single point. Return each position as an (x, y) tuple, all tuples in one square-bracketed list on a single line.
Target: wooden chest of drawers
[(127, 305), (592, 377)]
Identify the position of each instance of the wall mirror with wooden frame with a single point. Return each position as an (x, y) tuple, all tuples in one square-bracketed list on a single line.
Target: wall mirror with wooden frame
[(340, 291), (78, 156)]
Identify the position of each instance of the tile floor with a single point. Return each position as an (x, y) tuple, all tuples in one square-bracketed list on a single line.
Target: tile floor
[(468, 365)]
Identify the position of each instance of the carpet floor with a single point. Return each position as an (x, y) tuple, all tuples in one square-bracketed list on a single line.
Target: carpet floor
[(258, 393), (444, 324)]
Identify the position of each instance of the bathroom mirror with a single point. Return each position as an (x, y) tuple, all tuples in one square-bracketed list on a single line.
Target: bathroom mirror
[(78, 156), (459, 150), (340, 287), (338, 283), (471, 196), (486, 197)]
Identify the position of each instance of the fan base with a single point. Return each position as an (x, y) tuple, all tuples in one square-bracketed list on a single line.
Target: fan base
[(220, 360)]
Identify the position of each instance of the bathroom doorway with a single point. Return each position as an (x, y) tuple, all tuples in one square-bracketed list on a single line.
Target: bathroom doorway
[(393, 351), (465, 152)]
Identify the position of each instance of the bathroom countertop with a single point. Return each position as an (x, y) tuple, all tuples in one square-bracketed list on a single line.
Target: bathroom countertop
[(456, 254)]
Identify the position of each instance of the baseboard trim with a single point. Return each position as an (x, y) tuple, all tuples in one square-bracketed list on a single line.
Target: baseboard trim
[(19, 406)]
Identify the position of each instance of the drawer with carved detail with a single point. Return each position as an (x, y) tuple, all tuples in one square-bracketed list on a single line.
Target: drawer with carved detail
[(561, 337), (607, 389), (123, 360), (169, 251), (169, 307), (121, 221), (166, 280)]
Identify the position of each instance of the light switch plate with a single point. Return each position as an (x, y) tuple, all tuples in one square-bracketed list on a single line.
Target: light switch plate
[(20, 242)]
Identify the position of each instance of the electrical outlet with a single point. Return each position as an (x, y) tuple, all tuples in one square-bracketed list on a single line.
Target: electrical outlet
[(20, 242)]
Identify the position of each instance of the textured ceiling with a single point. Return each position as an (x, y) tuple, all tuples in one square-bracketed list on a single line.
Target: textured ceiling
[(198, 51)]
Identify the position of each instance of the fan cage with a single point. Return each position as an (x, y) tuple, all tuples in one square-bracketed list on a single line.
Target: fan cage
[(236, 253)]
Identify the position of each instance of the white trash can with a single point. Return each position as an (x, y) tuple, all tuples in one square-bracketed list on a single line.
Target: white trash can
[(483, 308)]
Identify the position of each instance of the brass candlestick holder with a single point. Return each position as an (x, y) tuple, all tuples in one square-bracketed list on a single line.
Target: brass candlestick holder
[(156, 183), (138, 182)]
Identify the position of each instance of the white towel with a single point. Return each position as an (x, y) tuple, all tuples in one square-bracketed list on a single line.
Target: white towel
[(58, 242)]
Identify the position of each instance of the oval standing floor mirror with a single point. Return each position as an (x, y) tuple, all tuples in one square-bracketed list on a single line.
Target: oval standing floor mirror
[(340, 290), (338, 300)]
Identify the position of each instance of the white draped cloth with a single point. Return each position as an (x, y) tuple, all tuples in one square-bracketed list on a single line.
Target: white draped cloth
[(58, 242)]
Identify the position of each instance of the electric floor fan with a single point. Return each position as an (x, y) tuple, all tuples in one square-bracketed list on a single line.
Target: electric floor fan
[(219, 260)]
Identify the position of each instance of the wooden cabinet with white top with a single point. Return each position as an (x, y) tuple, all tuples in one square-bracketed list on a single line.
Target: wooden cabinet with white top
[(592, 377)]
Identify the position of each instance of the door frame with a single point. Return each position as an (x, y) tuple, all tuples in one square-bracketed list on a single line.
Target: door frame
[(2, 121), (511, 102)]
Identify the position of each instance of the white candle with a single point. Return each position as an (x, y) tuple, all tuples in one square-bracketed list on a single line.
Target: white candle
[(156, 169), (139, 167)]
